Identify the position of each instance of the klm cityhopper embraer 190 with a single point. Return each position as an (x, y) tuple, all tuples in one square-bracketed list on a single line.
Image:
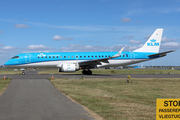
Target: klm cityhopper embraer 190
[(73, 61)]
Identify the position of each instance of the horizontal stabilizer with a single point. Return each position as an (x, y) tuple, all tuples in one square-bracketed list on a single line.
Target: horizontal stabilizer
[(160, 54)]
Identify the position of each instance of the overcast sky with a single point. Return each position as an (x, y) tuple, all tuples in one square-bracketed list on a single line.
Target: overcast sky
[(88, 25)]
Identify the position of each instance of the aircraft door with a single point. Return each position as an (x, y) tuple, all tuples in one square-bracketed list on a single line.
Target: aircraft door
[(132, 57), (28, 58)]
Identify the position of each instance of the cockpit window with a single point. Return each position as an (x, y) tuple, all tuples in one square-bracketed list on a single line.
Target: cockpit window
[(15, 57)]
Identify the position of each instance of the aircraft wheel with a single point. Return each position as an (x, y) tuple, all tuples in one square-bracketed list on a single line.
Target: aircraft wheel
[(89, 72), (84, 72), (23, 73)]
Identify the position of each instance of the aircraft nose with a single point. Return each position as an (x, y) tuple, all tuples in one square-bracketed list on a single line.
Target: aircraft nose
[(7, 63)]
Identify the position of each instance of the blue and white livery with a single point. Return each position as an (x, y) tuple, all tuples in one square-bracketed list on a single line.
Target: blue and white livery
[(73, 61)]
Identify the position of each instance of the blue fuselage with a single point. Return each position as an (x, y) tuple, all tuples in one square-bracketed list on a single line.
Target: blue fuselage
[(53, 59)]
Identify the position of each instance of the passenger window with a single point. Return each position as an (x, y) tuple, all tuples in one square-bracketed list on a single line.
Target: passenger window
[(80, 56), (88, 56), (46, 57), (49, 56), (127, 55), (84, 56), (61, 57), (57, 56), (123, 55), (72, 56), (106, 56), (53, 57), (95, 56), (42, 56), (109, 56), (102, 56), (38, 56), (68, 56), (92, 56), (99, 56), (76, 56), (64, 56)]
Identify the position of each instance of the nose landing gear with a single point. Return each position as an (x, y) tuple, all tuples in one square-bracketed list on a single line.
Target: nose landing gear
[(23, 73), (87, 72)]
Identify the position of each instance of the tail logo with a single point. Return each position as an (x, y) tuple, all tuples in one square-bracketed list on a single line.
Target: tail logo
[(153, 43)]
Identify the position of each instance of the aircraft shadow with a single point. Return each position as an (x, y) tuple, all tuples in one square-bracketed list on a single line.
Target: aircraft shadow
[(85, 75)]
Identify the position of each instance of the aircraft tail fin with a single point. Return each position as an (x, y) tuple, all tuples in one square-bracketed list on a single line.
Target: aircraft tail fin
[(153, 43)]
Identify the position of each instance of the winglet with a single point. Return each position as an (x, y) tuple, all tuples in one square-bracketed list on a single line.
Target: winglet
[(119, 53)]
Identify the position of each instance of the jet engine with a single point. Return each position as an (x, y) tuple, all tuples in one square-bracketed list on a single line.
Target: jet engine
[(69, 68)]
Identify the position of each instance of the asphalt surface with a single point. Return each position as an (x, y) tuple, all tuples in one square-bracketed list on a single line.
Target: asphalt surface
[(38, 99), (34, 76)]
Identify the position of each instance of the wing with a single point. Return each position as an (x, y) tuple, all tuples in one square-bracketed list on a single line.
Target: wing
[(97, 61)]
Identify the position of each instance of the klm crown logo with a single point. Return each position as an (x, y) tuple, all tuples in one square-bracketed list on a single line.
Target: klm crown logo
[(153, 40), (153, 43)]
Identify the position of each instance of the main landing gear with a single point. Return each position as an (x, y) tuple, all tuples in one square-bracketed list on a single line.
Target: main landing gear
[(87, 72)]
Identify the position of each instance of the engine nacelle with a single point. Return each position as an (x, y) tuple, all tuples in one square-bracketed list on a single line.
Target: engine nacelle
[(69, 68)]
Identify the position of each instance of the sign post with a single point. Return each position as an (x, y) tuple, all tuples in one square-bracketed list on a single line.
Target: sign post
[(167, 109)]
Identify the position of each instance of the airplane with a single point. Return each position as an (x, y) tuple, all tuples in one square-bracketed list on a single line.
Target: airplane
[(74, 61), (139, 67)]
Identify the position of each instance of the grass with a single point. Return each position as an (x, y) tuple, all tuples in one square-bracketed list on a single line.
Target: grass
[(10, 72), (114, 99), (5, 71), (118, 71), (4, 84)]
